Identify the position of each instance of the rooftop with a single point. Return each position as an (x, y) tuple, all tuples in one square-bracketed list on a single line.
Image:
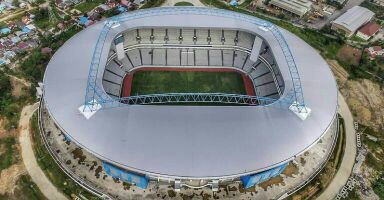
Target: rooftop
[(354, 18), (189, 141), (370, 28), (298, 7)]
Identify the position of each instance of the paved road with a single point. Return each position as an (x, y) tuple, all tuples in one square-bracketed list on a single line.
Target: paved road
[(348, 160), (29, 159)]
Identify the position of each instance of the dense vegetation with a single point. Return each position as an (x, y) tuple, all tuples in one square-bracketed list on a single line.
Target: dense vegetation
[(378, 10), (378, 187), (9, 108), (153, 3), (41, 18), (7, 158)]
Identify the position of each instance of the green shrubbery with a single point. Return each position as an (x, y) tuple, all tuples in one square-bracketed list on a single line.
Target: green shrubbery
[(378, 187), (153, 3), (7, 158)]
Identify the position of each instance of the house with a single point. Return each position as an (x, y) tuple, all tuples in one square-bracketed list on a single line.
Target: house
[(23, 37), (61, 26), (25, 20), (46, 50), (104, 7), (31, 27), (32, 43), (2, 7), (22, 46), (121, 9), (25, 29), (15, 39), (23, 5), (368, 30), (349, 22), (8, 43), (380, 2), (124, 2), (374, 51), (83, 20), (19, 33), (12, 25), (234, 3), (5, 30), (296, 7), (9, 54)]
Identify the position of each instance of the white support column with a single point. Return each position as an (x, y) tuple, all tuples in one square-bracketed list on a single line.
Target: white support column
[(256, 49), (90, 110), (177, 185), (301, 111), (215, 185)]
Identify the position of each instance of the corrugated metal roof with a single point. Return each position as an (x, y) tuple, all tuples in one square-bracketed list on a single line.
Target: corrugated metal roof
[(354, 18)]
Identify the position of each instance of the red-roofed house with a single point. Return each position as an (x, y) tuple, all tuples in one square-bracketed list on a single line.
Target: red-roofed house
[(374, 51), (368, 30)]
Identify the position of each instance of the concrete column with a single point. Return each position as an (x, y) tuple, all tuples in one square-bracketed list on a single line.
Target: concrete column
[(256, 49)]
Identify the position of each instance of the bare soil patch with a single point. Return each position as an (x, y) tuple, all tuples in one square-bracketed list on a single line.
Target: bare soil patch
[(349, 55), (9, 176), (364, 97), (291, 170), (273, 181), (18, 86)]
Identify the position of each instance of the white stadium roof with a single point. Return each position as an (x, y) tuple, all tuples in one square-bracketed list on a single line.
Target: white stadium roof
[(189, 141)]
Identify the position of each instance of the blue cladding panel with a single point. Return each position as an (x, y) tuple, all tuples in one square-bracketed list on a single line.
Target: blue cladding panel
[(115, 172), (66, 138), (251, 180)]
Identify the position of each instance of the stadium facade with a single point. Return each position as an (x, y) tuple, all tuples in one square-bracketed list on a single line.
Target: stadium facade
[(294, 106)]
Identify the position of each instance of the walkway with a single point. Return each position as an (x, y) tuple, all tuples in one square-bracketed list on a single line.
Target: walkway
[(348, 160), (29, 159)]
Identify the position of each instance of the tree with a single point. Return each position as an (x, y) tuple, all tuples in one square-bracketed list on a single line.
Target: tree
[(16, 3)]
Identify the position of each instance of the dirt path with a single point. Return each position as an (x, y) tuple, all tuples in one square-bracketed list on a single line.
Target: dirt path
[(29, 159), (9, 17)]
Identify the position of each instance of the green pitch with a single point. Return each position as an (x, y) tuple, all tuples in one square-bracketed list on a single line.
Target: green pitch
[(156, 82)]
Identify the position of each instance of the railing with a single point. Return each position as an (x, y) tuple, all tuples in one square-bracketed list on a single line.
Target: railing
[(91, 189), (169, 98), (94, 91), (319, 168)]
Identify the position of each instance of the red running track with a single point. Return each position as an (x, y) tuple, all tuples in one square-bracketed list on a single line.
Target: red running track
[(126, 89)]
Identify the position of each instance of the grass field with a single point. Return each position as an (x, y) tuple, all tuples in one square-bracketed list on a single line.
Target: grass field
[(88, 5), (183, 3), (155, 82)]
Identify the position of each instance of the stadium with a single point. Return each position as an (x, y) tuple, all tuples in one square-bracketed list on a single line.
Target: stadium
[(191, 96)]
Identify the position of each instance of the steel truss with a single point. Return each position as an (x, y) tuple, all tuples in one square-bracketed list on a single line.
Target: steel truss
[(96, 95)]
